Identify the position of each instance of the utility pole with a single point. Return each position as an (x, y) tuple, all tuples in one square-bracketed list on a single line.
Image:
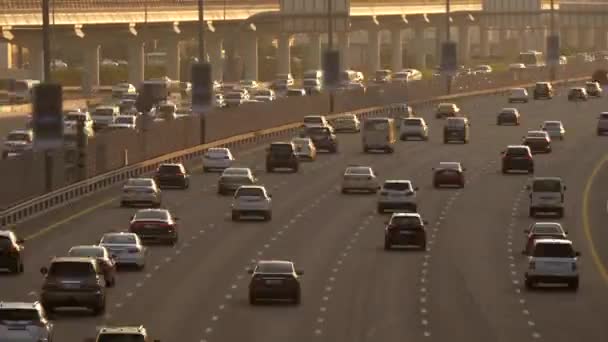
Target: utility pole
[(330, 46), (447, 40), (201, 33), (554, 35), (46, 41)]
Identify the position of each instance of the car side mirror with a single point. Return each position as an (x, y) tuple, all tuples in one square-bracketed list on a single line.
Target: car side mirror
[(386, 222), (299, 273), (176, 218), (416, 189), (425, 222), (578, 254), (250, 271), (527, 231), (44, 270), (528, 187), (565, 188), (21, 241)]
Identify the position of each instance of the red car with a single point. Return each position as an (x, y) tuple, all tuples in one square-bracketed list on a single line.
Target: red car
[(155, 225)]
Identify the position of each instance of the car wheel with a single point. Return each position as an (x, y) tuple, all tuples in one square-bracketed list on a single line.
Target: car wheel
[(387, 245), (560, 213), (186, 185), (504, 171), (235, 216), (532, 212), (573, 285), (295, 169), (268, 216), (380, 210), (529, 284), (252, 300), (365, 150), (445, 141), (21, 266), (220, 191), (15, 268), (344, 191), (123, 204), (100, 308), (297, 298), (423, 246), (390, 150), (531, 170), (435, 185), (269, 169)]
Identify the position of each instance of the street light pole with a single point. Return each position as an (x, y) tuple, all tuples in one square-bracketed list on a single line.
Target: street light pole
[(553, 33), (201, 32), (46, 41), (447, 40), (330, 46)]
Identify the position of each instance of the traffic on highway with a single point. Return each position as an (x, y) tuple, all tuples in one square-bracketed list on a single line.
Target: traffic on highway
[(474, 219)]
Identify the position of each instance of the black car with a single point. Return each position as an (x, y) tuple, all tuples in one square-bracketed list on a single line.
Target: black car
[(172, 175), (282, 155), (538, 142), (11, 252), (405, 229), (322, 137), (275, 279), (456, 129), (518, 158)]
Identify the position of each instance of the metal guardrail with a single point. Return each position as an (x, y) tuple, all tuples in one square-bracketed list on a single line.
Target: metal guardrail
[(77, 191)]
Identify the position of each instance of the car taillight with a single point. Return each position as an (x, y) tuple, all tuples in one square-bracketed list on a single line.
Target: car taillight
[(529, 157), (574, 267), (532, 265)]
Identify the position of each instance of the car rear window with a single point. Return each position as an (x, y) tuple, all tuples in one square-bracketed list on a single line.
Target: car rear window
[(546, 230), (376, 125), (412, 122), (281, 148), (552, 124), (318, 131), (554, 250), (454, 123), (140, 182), (118, 239), (70, 269), (446, 107), (398, 186), (169, 169), (517, 152), (125, 120), (152, 215), (86, 252), (358, 171), (104, 112), (406, 221), (121, 338), (5, 242), (547, 185), (19, 315), (275, 268), (18, 137), (254, 192), (313, 120), (235, 172)]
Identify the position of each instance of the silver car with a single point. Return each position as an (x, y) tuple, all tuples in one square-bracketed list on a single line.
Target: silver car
[(233, 178), (141, 191), (555, 129), (252, 200), (24, 322), (126, 248)]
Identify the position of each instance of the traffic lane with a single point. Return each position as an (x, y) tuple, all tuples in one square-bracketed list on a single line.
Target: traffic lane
[(235, 257), (587, 307), (229, 244)]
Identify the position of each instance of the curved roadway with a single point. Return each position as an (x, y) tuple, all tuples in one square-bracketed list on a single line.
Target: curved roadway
[(467, 287)]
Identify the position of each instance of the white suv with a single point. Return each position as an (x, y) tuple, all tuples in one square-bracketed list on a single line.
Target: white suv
[(552, 261), (414, 127), (397, 195), (252, 200), (25, 322), (546, 195)]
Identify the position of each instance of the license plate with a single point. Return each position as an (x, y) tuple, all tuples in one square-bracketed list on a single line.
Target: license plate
[(71, 286), (16, 327), (273, 282), (149, 225), (405, 232)]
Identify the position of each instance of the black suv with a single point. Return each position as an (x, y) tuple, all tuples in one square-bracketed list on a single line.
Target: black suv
[(281, 155), (172, 175), (517, 157), (323, 138), (456, 129), (405, 229), (543, 90), (11, 252), (74, 282)]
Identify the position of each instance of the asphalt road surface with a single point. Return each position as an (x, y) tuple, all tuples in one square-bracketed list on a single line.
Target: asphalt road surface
[(468, 285)]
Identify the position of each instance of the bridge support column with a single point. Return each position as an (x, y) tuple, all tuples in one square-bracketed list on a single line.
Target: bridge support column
[(284, 55), (396, 49), (172, 63), (214, 46), (541, 40), (419, 48), (373, 50), (35, 59), (344, 47), (5, 55), (484, 42), (314, 46), (136, 62), (250, 56), (464, 44), (599, 36), (585, 38), (90, 79)]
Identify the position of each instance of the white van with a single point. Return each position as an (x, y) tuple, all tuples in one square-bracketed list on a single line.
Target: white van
[(546, 195), (379, 134)]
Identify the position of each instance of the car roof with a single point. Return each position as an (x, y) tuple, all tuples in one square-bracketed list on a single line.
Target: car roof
[(552, 122), (537, 225), (6, 233), (21, 131), (19, 305), (276, 262), (538, 83), (518, 89), (397, 181), (71, 259), (553, 241), (88, 246), (239, 169), (449, 164), (120, 233), (137, 178), (509, 109), (123, 330), (281, 143), (518, 147), (546, 178), (152, 210), (261, 187), (406, 215), (170, 164), (537, 132)]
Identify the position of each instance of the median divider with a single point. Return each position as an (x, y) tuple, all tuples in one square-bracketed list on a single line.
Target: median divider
[(75, 192)]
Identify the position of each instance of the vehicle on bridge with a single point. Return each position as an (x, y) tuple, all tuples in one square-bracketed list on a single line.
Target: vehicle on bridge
[(456, 129), (172, 175), (538, 141), (447, 110), (218, 159), (531, 59), (141, 191), (155, 225), (594, 89), (449, 173), (543, 230), (518, 95), (517, 158), (233, 178), (602, 123), (103, 257), (414, 127), (508, 116), (323, 137), (104, 115), (23, 91), (543, 90), (578, 94), (282, 155), (122, 333), (121, 89), (305, 149), (554, 128), (126, 248), (346, 123), (18, 141), (360, 178)]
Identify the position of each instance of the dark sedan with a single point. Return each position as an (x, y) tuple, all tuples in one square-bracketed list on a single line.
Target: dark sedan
[(405, 229), (274, 280), (155, 225), (451, 173), (172, 175)]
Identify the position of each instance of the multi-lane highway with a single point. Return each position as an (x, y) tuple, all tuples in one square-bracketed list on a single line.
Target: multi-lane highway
[(468, 285)]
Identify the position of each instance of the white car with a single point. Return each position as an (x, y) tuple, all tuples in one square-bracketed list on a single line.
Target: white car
[(483, 69), (305, 149), (347, 123), (141, 191), (124, 121), (120, 89), (70, 123), (24, 322), (593, 89), (517, 66), (315, 121), (414, 127), (362, 178), (397, 195), (106, 62), (104, 115), (555, 129), (233, 178), (252, 200), (265, 95), (18, 141), (125, 248), (552, 261), (518, 95), (234, 99), (217, 158)]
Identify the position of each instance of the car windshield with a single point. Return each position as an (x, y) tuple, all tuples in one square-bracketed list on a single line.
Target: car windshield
[(122, 337), (358, 171), (104, 112), (18, 137), (73, 117), (294, 92), (70, 269), (547, 185), (170, 169), (517, 152), (119, 239), (125, 120), (87, 252), (235, 172), (5, 242), (536, 135), (546, 229), (554, 250), (399, 186), (253, 192), (140, 182), (274, 267), (281, 148), (553, 125), (408, 221), (19, 315), (313, 120), (376, 125), (412, 122), (152, 215), (318, 131)]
